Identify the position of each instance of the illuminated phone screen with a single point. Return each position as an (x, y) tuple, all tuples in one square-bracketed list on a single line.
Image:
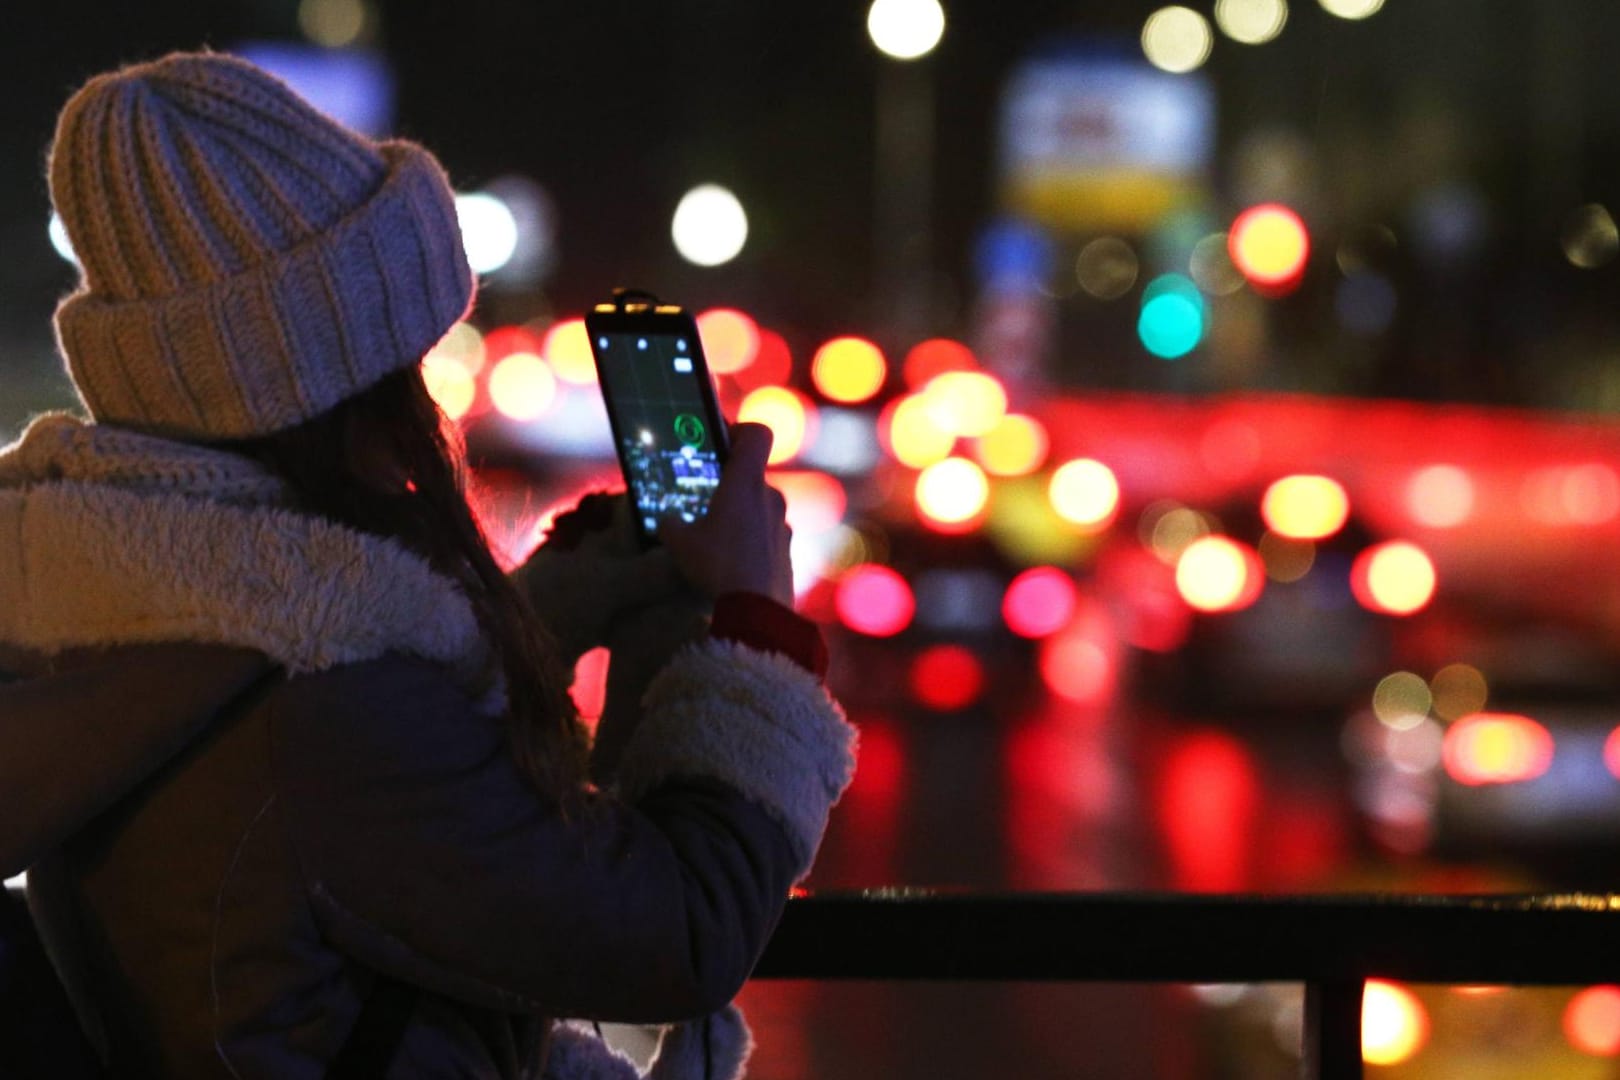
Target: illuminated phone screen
[(661, 406)]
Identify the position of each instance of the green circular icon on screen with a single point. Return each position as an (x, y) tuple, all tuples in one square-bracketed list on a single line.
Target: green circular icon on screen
[(689, 429)]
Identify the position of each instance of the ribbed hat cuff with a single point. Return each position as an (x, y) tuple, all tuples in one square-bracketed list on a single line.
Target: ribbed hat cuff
[(289, 338)]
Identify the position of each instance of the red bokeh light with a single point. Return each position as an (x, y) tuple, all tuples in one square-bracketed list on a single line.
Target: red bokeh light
[(1611, 752), (874, 600), (947, 677), (1208, 801), (1038, 602), (589, 689), (503, 341), (772, 366), (935, 357), (1078, 667)]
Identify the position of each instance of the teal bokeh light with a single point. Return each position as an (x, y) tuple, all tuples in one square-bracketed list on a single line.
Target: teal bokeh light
[(1171, 323)]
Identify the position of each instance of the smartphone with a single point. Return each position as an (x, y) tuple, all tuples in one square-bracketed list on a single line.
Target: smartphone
[(661, 404)]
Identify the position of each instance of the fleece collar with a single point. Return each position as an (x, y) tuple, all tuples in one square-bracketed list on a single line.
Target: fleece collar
[(110, 537)]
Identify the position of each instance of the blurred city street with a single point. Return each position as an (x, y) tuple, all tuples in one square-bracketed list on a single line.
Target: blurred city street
[(1197, 425)]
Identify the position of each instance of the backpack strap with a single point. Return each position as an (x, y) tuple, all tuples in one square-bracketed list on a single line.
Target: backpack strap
[(377, 1031)]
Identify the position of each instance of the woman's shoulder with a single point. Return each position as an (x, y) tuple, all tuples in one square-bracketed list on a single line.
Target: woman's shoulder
[(397, 705), (395, 678)]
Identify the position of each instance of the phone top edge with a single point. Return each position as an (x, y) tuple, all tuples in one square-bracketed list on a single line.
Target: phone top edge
[(637, 308)]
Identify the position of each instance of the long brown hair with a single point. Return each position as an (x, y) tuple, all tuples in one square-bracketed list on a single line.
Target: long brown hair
[(387, 461)]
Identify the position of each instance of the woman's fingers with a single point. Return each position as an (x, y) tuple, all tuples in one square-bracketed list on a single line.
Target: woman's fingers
[(741, 543)]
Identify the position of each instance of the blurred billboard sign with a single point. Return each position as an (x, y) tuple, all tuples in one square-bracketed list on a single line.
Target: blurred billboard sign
[(1096, 140), (355, 87)]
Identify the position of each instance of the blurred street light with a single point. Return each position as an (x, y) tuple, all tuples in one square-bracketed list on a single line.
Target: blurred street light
[(1351, 9), (905, 29), (1177, 39), (710, 226), (489, 232)]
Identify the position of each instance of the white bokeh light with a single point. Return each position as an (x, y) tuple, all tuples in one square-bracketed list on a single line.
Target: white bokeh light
[(710, 226), (489, 232), (1177, 39), (1251, 22), (60, 241), (905, 29), (1351, 9)]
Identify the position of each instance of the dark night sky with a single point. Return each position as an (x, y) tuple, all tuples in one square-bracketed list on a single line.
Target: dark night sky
[(617, 107)]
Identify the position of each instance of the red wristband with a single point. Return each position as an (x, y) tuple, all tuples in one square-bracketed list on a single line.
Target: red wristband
[(761, 623)]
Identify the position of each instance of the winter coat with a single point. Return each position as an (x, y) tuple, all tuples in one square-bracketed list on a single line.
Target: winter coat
[(252, 759)]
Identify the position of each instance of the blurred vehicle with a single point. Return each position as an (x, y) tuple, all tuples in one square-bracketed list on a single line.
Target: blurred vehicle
[(1512, 754)]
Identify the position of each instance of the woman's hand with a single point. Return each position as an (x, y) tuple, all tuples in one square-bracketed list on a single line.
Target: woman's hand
[(741, 544), (589, 574)]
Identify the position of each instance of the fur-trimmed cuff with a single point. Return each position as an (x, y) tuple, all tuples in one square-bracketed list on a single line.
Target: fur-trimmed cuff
[(757, 721), (576, 1053), (713, 1047)]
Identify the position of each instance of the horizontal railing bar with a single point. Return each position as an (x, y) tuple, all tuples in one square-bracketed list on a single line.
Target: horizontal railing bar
[(1545, 939)]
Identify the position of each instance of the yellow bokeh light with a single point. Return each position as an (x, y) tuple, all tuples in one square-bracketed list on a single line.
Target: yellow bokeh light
[(1211, 268), (789, 416), (1590, 238), (1025, 528), (1395, 577), (1286, 559), (1496, 748), (1107, 267), (1351, 9), (567, 348), (848, 370), (522, 386), (1215, 574), (1016, 446), (1401, 700), (730, 339), (1085, 493), (332, 24), (463, 344), (449, 384), (952, 491), (1305, 507), (966, 403), (1251, 22), (1394, 1023), (1269, 244), (1173, 529), (1458, 689), (913, 436), (1177, 39)]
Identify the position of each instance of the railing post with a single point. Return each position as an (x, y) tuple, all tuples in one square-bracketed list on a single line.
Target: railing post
[(1332, 1049)]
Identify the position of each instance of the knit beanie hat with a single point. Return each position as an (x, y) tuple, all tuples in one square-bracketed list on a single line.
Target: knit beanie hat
[(247, 262)]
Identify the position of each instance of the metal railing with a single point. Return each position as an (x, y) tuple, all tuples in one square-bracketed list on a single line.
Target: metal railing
[(1332, 944)]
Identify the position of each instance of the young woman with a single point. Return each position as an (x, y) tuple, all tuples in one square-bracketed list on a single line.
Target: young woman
[(289, 760)]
